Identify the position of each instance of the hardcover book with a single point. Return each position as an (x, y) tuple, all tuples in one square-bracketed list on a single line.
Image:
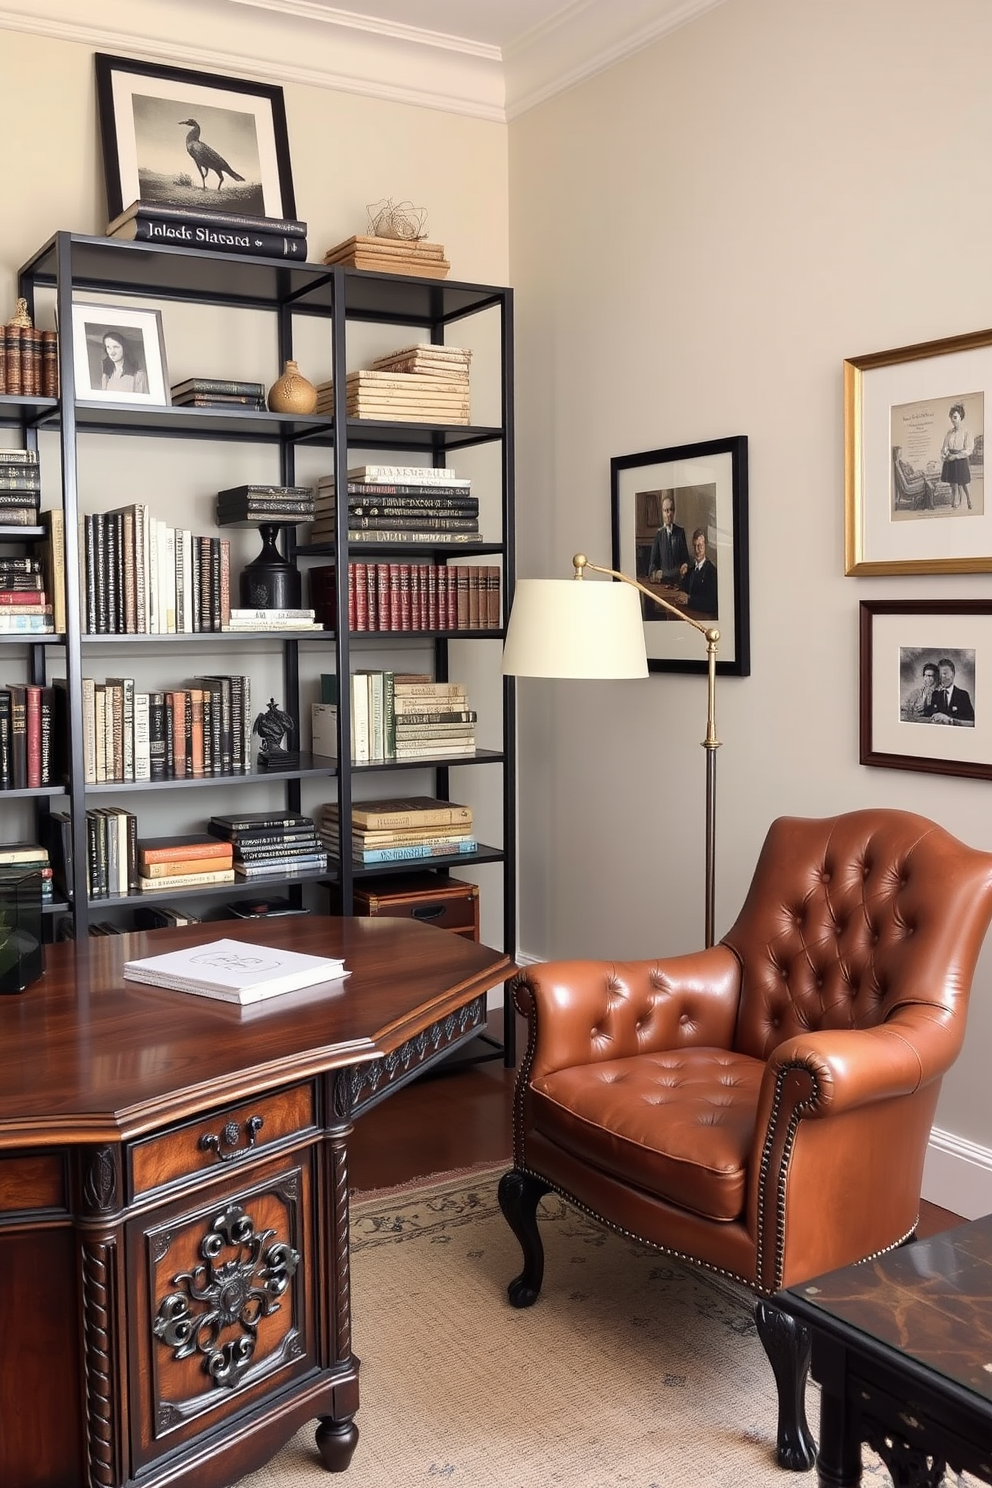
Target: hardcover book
[(235, 971)]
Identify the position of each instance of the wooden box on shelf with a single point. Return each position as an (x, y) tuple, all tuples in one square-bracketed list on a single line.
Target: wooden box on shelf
[(433, 898)]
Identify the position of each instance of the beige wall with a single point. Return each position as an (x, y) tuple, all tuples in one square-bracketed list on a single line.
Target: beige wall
[(699, 236)]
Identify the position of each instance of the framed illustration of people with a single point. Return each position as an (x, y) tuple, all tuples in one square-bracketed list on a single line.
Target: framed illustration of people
[(926, 686), (680, 528)]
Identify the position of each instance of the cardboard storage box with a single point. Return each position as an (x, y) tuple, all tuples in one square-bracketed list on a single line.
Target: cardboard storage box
[(434, 898)]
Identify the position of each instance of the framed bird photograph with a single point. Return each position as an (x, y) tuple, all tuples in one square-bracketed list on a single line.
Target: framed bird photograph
[(186, 139)]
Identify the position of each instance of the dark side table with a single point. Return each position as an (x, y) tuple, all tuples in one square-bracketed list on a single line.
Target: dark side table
[(902, 1351)]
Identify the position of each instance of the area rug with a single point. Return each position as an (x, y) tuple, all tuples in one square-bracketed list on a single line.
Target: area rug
[(629, 1370)]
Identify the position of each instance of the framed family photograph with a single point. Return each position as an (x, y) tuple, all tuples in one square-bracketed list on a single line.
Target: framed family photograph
[(926, 686), (680, 529), (914, 457), (190, 139), (118, 354)]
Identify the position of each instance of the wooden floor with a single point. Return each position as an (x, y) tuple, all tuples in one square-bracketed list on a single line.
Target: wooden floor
[(461, 1120)]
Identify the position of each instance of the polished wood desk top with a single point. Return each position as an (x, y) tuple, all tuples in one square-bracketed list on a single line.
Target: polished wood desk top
[(87, 1057)]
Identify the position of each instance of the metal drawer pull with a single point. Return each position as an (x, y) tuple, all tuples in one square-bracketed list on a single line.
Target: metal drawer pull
[(230, 1137), (428, 912)]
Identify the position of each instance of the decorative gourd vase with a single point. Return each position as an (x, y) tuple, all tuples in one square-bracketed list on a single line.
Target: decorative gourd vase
[(292, 392), (271, 582)]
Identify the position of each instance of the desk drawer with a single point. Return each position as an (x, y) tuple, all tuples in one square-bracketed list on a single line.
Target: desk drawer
[(221, 1140), (31, 1182)]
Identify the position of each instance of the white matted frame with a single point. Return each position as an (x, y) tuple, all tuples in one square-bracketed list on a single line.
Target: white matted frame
[(899, 638), (708, 484), (118, 354), (147, 114), (902, 513)]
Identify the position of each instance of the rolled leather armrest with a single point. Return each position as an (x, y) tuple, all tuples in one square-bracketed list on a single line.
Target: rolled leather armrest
[(584, 1012), (851, 1067)]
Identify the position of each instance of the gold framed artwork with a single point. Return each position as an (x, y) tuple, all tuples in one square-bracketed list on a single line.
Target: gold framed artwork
[(914, 456)]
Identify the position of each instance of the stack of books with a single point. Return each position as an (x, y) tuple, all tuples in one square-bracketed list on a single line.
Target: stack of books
[(270, 844), (396, 716), (391, 256), (143, 577), (410, 596), (28, 857), (28, 737), (218, 392), (24, 603), (388, 503), (420, 384), (249, 506), (217, 232), (397, 831), (268, 620), (20, 488), (29, 362), (166, 863)]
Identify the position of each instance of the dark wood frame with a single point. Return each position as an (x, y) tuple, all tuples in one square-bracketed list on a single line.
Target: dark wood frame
[(278, 193), (734, 654), (928, 764)]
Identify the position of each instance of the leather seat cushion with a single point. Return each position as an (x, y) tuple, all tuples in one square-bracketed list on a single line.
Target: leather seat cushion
[(679, 1125)]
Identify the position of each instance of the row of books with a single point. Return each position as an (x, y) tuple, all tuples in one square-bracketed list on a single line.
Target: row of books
[(28, 717), (399, 831), (29, 362), (394, 717), (218, 392), (143, 577), (410, 596), (28, 857), (270, 844), (216, 232), (198, 729), (390, 255)]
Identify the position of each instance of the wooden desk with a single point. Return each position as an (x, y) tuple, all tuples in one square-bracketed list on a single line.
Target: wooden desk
[(901, 1349), (174, 1270)]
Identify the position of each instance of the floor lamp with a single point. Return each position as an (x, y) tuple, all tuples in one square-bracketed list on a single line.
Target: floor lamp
[(570, 628)]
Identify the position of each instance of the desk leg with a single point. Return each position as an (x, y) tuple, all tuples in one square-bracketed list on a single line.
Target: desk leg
[(336, 1443), (337, 1434), (838, 1462)]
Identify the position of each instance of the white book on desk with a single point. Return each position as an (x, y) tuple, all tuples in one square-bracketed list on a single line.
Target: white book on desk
[(234, 971)]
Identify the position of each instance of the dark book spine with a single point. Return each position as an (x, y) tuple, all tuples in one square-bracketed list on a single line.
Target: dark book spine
[(215, 583), (49, 364), (112, 572), (202, 570), (47, 726), (170, 744), (156, 735), (32, 729), (159, 212), (202, 234), (18, 736), (427, 497), (100, 572), (208, 386), (12, 486), (6, 766)]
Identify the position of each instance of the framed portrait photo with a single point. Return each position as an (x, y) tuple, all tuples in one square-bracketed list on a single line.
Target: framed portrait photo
[(118, 354), (914, 458), (926, 686), (680, 529), (189, 139)]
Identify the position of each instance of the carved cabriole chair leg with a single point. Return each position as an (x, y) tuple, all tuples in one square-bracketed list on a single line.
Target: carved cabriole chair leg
[(787, 1344), (519, 1195)]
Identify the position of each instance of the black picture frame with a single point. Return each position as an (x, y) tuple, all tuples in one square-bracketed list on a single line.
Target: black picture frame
[(136, 101), (708, 482), (900, 638)]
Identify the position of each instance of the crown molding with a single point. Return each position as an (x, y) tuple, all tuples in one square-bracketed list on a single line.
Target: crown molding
[(351, 53)]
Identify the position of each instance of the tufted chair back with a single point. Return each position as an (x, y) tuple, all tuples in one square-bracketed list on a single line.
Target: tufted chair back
[(848, 919), (762, 1107)]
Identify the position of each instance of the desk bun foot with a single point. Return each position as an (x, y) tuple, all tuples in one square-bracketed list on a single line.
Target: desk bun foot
[(336, 1443)]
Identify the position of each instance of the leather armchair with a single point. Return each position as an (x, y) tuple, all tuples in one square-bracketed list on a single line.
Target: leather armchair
[(763, 1107)]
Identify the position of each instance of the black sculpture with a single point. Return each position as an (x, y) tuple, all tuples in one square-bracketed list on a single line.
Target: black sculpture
[(272, 727)]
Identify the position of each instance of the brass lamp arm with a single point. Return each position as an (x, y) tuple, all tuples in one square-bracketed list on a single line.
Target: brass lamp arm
[(711, 743)]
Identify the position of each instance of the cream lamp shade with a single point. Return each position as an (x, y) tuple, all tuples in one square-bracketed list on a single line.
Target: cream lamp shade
[(574, 628)]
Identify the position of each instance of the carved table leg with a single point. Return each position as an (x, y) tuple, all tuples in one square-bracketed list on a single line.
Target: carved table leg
[(336, 1442), (519, 1195), (787, 1344)]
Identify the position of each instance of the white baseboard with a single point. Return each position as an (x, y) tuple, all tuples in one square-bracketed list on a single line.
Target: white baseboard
[(957, 1175)]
